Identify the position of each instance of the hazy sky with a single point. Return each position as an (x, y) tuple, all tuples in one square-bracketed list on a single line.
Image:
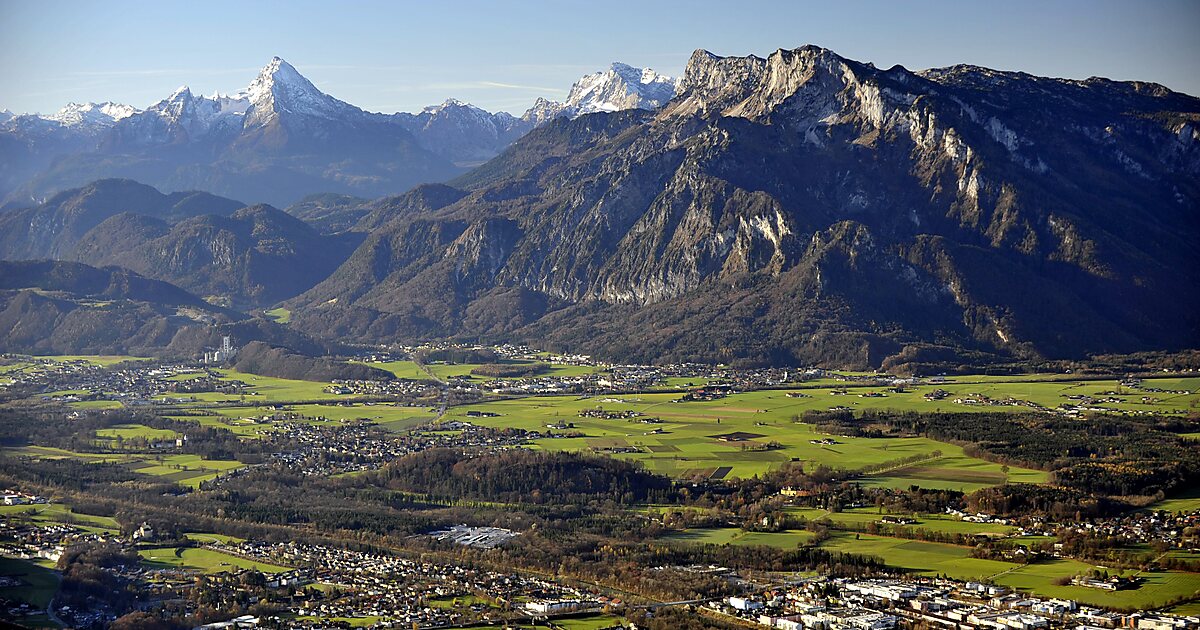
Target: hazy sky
[(401, 56)]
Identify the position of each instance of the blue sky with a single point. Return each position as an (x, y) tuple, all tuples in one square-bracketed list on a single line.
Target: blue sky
[(401, 56)]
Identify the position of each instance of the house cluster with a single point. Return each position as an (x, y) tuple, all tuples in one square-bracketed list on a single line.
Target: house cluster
[(30, 540), (133, 384), (608, 414), (398, 388), (1180, 530), (319, 449), (398, 590), (881, 604), (983, 400), (17, 497)]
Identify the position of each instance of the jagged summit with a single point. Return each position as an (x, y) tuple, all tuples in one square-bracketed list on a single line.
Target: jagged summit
[(91, 114), (280, 88), (620, 87)]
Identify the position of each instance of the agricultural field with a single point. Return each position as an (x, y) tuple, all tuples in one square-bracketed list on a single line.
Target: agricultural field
[(1158, 588), (131, 431), (237, 422), (57, 513), (401, 369), (941, 523), (410, 370), (38, 586), (732, 437), (95, 404), (1186, 501), (268, 389), (187, 470), (209, 538), (280, 315), (926, 558), (955, 561), (460, 601), (1046, 390), (789, 539), (101, 360), (388, 416), (200, 559)]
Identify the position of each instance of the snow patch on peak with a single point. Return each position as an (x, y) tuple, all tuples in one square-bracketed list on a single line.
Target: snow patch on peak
[(99, 115), (280, 88), (619, 88)]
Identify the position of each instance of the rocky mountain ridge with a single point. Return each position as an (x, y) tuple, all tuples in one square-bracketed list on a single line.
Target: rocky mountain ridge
[(809, 208), (277, 140)]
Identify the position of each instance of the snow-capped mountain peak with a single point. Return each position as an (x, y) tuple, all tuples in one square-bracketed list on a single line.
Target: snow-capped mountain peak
[(280, 88), (98, 115), (620, 87)]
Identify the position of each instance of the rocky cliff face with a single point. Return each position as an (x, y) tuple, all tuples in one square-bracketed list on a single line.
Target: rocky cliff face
[(807, 207)]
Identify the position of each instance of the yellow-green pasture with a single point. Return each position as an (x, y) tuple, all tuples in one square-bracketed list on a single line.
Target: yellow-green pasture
[(201, 559), (57, 513), (388, 416), (942, 523), (410, 370), (184, 469), (687, 443)]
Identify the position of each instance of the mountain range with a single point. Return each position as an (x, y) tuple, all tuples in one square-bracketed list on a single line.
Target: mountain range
[(802, 208), (280, 139), (241, 257), (810, 208)]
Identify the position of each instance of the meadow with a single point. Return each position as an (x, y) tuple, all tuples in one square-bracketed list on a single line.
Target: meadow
[(941, 523), (410, 370), (57, 513), (38, 586), (184, 469), (131, 431), (955, 561), (687, 442), (201, 559)]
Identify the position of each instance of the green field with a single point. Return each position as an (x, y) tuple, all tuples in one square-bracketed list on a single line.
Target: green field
[(734, 536), (205, 560), (590, 622), (59, 513), (394, 418), (925, 558), (209, 537), (39, 586), (188, 470), (98, 359), (688, 445), (401, 369), (280, 315), (237, 422), (96, 404), (271, 389), (1186, 501), (929, 558), (1158, 588), (942, 523), (460, 602), (129, 431), (410, 370)]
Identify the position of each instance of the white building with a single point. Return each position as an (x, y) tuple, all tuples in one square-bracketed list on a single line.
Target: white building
[(222, 354), (745, 603)]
